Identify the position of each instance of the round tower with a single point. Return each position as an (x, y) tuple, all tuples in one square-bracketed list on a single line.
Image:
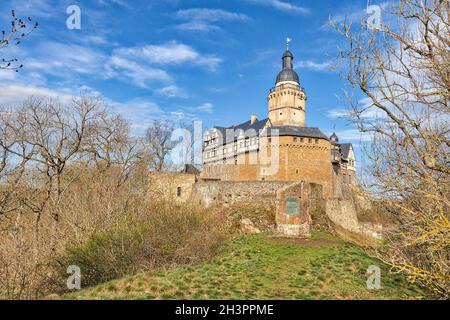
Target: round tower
[(287, 100)]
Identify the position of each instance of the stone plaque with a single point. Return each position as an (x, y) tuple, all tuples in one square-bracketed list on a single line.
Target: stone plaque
[(292, 206)]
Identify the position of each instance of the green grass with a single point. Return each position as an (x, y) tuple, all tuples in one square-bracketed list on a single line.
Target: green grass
[(262, 267)]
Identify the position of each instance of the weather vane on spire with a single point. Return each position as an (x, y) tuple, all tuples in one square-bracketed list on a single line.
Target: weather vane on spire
[(288, 40)]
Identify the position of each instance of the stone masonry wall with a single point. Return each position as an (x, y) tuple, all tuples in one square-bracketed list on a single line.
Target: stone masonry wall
[(171, 187), (227, 193), (342, 214)]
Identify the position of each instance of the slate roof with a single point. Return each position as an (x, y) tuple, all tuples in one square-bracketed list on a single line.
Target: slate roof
[(255, 129), (190, 169), (298, 132), (334, 138), (250, 130), (345, 150), (257, 125), (288, 73)]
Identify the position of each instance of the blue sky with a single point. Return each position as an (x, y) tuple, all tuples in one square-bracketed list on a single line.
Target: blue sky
[(211, 60)]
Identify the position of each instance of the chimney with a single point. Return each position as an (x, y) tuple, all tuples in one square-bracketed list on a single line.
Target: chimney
[(253, 118)]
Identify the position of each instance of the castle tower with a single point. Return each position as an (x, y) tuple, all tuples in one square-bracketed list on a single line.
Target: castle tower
[(287, 100)]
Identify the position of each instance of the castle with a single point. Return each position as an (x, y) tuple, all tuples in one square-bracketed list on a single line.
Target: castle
[(277, 163), (280, 147)]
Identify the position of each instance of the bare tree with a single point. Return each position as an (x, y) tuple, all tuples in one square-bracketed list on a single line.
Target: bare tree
[(110, 144), (159, 140), (403, 69), (12, 169), (56, 136), (20, 29)]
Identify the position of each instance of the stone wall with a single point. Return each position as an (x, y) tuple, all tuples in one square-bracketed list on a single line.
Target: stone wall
[(343, 216), (228, 193), (340, 212), (175, 187)]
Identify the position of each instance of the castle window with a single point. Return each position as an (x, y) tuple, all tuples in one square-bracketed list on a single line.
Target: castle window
[(270, 140), (294, 139), (179, 192), (309, 140), (302, 140), (317, 141), (296, 171)]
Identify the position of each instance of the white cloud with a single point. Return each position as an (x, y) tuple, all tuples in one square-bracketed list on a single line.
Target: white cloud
[(206, 107), (352, 16), (139, 74), (139, 112), (203, 19), (197, 26), (69, 61), (353, 135), (96, 39), (338, 113), (283, 6), (316, 66), (34, 8), (171, 53), (64, 60), (355, 14), (16, 94), (365, 105), (121, 3), (8, 75), (172, 91), (142, 66), (211, 15), (178, 115), (146, 64)]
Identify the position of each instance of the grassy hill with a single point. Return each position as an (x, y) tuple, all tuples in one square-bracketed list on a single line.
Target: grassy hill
[(263, 267)]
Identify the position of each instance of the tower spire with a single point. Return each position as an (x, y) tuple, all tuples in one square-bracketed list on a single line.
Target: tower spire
[(288, 40), (287, 100)]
